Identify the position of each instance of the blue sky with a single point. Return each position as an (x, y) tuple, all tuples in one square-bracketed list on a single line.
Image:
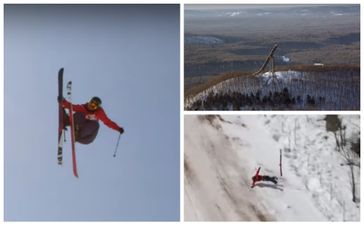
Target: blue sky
[(128, 55)]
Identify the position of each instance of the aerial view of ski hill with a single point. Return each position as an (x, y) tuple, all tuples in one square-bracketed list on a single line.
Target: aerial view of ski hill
[(272, 57), (272, 168)]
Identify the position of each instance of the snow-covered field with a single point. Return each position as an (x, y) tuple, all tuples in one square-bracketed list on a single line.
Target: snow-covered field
[(206, 40), (222, 153)]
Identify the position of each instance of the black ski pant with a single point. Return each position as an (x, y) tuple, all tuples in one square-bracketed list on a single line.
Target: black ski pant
[(85, 130), (271, 179)]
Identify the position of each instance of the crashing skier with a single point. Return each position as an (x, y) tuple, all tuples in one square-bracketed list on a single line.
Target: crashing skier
[(86, 119), (257, 178)]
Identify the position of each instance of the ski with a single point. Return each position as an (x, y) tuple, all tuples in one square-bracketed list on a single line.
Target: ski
[(69, 95), (61, 118)]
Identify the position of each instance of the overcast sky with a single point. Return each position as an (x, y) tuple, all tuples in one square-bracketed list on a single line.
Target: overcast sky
[(128, 55)]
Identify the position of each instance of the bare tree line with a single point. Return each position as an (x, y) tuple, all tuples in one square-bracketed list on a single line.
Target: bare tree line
[(328, 90)]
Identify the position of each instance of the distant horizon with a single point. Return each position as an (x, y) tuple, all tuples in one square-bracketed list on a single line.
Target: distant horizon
[(258, 6)]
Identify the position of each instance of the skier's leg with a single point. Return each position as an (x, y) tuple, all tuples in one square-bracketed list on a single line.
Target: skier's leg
[(271, 179), (79, 119), (275, 179), (66, 119), (88, 132)]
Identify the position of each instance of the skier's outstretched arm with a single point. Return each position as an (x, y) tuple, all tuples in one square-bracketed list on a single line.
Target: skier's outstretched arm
[(108, 122)]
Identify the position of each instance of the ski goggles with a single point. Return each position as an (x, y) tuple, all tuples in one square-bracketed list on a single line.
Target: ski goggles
[(93, 105)]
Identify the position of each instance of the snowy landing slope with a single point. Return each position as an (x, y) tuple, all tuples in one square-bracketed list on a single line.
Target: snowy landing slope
[(222, 153)]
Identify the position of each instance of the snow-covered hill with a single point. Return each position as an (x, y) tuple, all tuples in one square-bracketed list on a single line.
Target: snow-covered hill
[(334, 89), (222, 153)]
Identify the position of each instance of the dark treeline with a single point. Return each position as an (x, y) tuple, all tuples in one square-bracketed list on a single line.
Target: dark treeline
[(318, 88), (277, 100)]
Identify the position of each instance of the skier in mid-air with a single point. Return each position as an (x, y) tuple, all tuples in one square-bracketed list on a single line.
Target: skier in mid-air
[(258, 177), (86, 119)]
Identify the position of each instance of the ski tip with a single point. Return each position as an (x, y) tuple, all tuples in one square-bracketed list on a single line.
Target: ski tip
[(75, 173), (61, 70)]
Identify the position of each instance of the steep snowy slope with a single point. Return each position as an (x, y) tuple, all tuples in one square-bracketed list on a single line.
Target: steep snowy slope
[(222, 153)]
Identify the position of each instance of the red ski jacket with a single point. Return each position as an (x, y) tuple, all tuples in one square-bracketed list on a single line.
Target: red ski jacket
[(256, 178), (98, 114)]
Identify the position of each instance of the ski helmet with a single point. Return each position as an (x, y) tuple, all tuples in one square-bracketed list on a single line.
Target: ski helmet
[(96, 100)]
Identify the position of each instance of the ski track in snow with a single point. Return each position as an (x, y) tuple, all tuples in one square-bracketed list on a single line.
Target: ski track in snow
[(222, 154)]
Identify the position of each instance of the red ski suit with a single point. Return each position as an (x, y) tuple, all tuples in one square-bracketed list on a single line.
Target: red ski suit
[(98, 114)]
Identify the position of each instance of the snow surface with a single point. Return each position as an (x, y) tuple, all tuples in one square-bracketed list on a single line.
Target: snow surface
[(222, 153), (285, 59), (206, 40), (232, 14)]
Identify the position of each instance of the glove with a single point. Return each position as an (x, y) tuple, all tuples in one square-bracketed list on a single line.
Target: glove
[(121, 130), (59, 99)]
